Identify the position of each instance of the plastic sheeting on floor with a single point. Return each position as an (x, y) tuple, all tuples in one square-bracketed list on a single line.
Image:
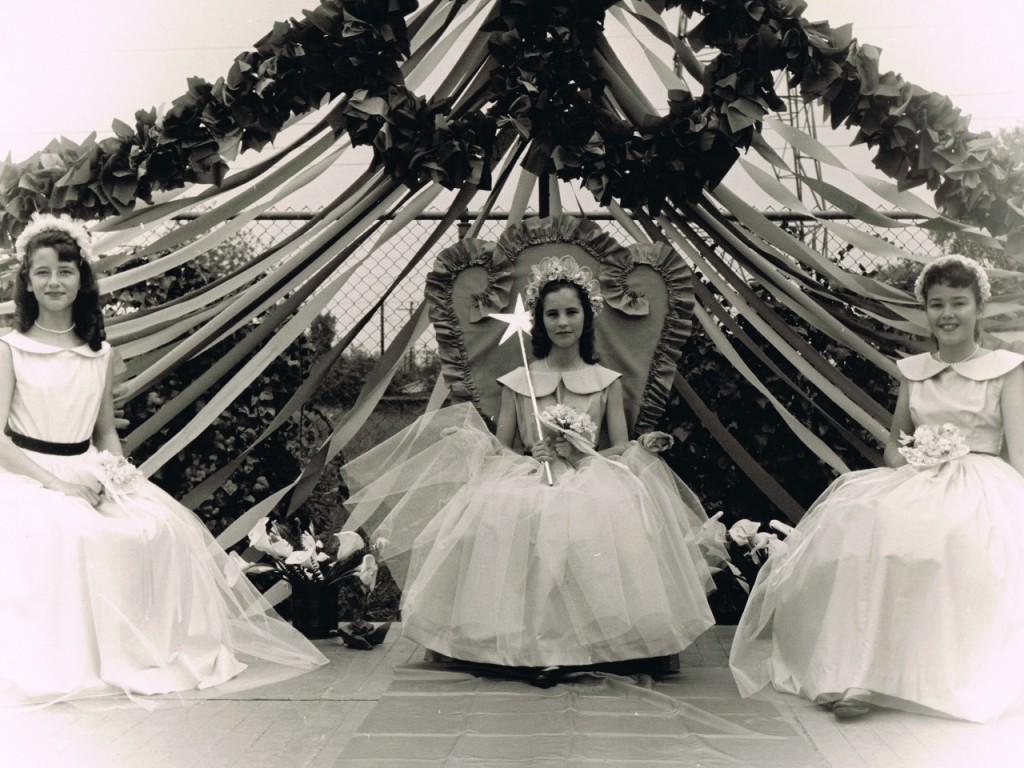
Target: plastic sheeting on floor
[(433, 716)]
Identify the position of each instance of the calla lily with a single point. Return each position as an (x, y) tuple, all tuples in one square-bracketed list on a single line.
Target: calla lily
[(305, 557), (259, 534), (793, 535), (367, 572), (777, 547), (349, 542), (276, 547), (236, 566), (761, 542), (743, 530), (713, 529), (269, 541)]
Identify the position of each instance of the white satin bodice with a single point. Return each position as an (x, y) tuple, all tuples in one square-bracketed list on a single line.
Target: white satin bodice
[(57, 391)]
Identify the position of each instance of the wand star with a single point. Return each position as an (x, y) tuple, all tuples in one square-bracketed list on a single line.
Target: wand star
[(518, 320)]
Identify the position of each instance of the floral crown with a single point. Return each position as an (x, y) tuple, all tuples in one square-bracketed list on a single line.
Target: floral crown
[(984, 287), (562, 268), (44, 222)]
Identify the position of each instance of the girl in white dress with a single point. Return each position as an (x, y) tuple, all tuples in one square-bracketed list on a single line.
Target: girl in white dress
[(105, 588), (603, 565), (904, 586)]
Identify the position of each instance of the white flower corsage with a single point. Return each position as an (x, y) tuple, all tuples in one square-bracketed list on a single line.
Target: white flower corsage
[(117, 474), (933, 444)]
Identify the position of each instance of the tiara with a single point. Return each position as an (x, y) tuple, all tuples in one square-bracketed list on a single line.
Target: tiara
[(984, 287), (562, 268), (45, 221)]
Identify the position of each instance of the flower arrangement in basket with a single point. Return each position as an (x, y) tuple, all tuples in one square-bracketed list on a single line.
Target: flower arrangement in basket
[(307, 566), (933, 444)]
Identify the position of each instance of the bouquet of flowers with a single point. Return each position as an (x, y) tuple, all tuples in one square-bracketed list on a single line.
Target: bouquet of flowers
[(933, 444), (577, 427), (117, 474)]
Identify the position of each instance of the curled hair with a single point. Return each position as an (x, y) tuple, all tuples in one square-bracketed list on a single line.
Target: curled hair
[(85, 312), (539, 338), (956, 271)]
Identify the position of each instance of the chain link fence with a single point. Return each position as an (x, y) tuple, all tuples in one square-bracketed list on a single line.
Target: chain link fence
[(379, 268)]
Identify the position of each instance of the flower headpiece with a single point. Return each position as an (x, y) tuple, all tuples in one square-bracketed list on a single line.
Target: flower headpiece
[(984, 287), (43, 222), (551, 269)]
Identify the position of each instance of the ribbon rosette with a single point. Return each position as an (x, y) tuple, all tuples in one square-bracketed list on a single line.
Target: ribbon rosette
[(933, 444), (656, 442)]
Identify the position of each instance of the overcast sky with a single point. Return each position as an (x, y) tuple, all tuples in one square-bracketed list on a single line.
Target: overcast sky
[(70, 66)]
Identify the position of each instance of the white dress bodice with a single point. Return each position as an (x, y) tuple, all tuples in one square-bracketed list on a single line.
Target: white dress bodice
[(966, 395), (58, 391)]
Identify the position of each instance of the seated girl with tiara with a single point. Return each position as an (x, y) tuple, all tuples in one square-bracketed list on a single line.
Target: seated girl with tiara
[(108, 586), (903, 586), (603, 564)]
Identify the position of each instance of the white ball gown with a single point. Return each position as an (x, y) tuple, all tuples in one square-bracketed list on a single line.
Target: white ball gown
[(604, 565), (905, 587), (130, 597)]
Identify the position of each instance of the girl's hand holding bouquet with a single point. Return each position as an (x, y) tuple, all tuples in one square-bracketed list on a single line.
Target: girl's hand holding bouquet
[(576, 431)]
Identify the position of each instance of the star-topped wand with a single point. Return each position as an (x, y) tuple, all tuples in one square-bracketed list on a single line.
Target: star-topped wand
[(520, 322)]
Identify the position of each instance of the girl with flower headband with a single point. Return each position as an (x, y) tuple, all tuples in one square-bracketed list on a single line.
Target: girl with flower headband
[(111, 587), (903, 586), (603, 565)]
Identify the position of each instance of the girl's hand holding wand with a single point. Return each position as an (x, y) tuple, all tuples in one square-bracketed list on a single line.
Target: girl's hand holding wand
[(542, 451)]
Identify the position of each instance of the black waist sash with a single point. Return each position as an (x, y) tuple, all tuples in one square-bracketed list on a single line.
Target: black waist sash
[(44, 446)]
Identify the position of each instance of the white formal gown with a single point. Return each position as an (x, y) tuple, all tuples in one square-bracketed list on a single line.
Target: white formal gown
[(605, 565), (130, 597), (905, 587)]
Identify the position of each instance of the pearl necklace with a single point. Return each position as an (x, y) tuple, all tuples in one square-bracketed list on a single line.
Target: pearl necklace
[(977, 348), (69, 329)]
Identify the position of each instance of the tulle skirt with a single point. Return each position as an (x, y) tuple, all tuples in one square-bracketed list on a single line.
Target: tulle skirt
[(133, 597), (904, 588), (606, 564)]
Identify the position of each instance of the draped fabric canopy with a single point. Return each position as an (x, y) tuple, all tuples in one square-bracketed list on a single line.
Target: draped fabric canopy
[(474, 100)]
